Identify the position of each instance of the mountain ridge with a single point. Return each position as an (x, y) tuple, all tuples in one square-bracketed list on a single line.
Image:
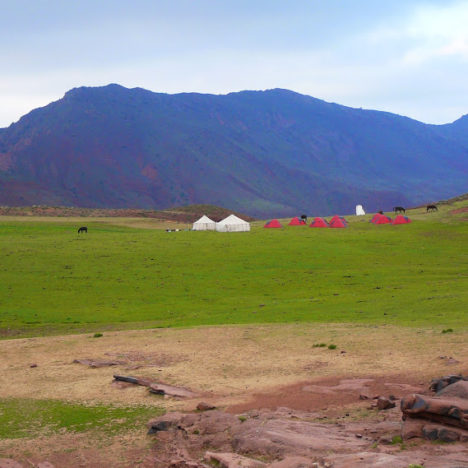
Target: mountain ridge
[(266, 153)]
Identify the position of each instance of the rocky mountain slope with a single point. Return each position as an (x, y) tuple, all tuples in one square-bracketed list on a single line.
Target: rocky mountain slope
[(266, 153)]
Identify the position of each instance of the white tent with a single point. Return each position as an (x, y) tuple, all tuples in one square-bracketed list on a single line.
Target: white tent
[(232, 224), (204, 224), (360, 210)]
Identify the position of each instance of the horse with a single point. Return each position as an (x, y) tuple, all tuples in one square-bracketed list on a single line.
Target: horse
[(431, 208), (399, 209), (83, 229), (380, 212)]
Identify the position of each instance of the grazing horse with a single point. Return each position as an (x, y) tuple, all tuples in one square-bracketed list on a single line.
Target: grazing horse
[(83, 229), (399, 209), (431, 208)]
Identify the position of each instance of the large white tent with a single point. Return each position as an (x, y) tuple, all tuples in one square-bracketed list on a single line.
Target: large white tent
[(204, 224), (360, 210), (232, 224)]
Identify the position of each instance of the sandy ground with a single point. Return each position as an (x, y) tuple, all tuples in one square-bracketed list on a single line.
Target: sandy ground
[(226, 364)]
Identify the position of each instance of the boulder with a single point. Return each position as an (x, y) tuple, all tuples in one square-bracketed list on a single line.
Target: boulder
[(203, 406), (437, 385), (451, 411), (385, 403), (458, 390)]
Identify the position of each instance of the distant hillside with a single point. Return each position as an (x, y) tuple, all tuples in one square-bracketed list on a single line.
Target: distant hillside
[(270, 153), (183, 214)]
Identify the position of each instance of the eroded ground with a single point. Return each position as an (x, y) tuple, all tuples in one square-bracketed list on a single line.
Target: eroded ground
[(238, 369)]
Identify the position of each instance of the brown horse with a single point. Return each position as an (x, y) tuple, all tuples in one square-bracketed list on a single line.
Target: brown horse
[(431, 208), (399, 209), (83, 229)]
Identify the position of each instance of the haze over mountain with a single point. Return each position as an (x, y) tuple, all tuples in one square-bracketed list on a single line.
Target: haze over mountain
[(266, 153)]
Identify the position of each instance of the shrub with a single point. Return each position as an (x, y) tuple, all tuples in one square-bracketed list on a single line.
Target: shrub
[(97, 335), (332, 346)]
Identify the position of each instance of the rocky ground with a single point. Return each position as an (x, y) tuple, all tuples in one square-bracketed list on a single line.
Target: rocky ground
[(279, 401)]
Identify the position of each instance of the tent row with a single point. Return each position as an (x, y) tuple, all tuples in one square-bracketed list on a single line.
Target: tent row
[(335, 222), (380, 218), (230, 224)]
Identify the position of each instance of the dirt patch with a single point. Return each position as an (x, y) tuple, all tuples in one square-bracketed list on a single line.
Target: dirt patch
[(331, 394), (229, 363)]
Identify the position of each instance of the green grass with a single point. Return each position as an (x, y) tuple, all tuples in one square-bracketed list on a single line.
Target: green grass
[(29, 418), (54, 281)]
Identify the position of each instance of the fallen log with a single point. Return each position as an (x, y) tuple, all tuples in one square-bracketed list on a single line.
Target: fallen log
[(157, 387), (133, 380), (96, 363)]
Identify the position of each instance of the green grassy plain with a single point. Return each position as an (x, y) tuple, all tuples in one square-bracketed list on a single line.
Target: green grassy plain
[(53, 280), (26, 417)]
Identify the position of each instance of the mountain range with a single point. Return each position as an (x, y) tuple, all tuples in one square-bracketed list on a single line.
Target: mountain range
[(265, 153)]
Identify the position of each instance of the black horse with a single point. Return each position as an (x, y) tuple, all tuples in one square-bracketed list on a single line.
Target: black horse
[(83, 229), (399, 209), (431, 208)]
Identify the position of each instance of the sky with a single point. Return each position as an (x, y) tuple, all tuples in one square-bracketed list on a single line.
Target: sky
[(409, 57)]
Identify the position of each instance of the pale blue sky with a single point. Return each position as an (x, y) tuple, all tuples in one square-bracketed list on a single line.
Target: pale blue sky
[(404, 56)]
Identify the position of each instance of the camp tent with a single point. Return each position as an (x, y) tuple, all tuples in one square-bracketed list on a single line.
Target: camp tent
[(296, 222), (381, 219), (337, 222), (274, 223), (400, 219), (204, 224), (319, 223), (360, 210), (232, 224), (336, 218)]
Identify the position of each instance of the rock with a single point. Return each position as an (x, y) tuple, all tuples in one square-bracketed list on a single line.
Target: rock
[(95, 363), (233, 460), (458, 390), (163, 389), (203, 406), (296, 462), (452, 411), (385, 403), (412, 428), (45, 464), (32, 365), (9, 463), (443, 433), (437, 385), (164, 423)]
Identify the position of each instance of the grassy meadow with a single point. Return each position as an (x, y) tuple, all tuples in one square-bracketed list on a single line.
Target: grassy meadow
[(123, 274)]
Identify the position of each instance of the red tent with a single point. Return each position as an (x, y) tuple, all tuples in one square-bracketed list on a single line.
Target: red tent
[(274, 223), (381, 219), (338, 217), (296, 222), (319, 223), (400, 219), (337, 222)]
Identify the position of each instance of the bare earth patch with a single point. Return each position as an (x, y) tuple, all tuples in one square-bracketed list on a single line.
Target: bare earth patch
[(236, 368)]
